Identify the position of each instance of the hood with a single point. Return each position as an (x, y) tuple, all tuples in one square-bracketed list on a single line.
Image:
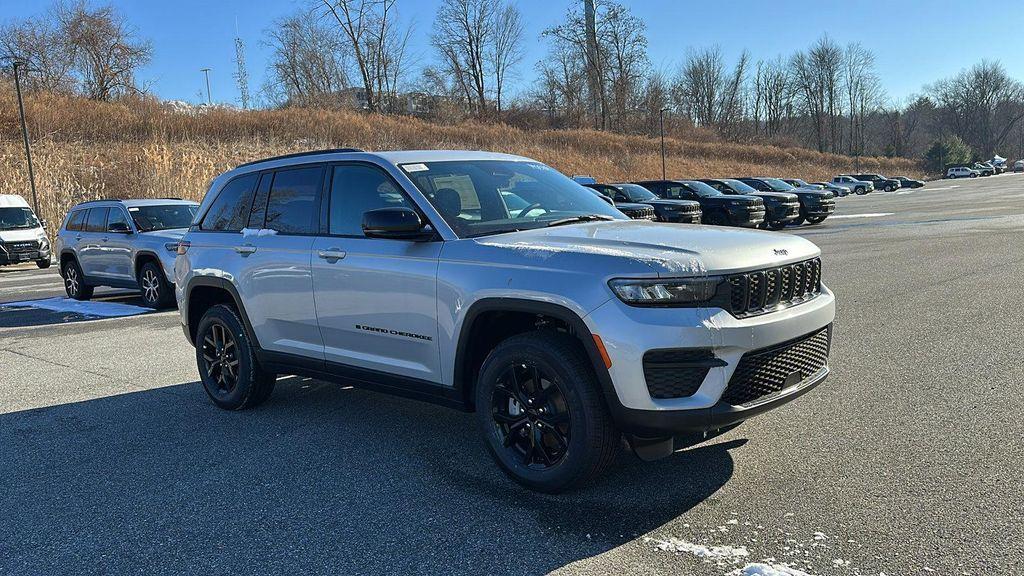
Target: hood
[(666, 249), (779, 196), (21, 234), (745, 199), (171, 234), (815, 194), (668, 202)]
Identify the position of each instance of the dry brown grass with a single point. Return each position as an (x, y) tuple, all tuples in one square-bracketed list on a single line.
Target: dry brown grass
[(84, 150)]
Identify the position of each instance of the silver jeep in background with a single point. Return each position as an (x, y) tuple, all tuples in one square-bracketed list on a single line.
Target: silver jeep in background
[(123, 244)]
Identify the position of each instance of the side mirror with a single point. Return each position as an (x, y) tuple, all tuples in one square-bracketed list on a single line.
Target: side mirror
[(43, 222), (119, 228), (397, 223)]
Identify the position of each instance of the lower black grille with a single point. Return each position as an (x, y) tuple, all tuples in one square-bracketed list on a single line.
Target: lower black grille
[(677, 373), (763, 291), (765, 372)]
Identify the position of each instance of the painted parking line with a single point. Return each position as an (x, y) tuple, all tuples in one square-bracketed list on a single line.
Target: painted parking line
[(869, 215), (96, 308)]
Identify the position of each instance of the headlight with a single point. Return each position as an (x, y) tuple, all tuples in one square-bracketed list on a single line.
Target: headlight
[(665, 292)]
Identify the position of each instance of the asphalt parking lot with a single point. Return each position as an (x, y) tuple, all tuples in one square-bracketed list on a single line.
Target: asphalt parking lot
[(906, 461)]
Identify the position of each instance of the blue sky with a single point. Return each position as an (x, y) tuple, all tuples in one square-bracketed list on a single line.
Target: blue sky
[(915, 41)]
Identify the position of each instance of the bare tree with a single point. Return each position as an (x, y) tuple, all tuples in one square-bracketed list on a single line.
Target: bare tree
[(773, 97), (709, 93), (105, 50), (39, 43), (816, 74), (463, 31), (507, 49), (308, 62), (862, 91), (981, 105)]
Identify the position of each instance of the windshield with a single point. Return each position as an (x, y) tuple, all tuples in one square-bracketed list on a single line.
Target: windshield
[(777, 185), (481, 197), (740, 187), (636, 192), (163, 217), (701, 189), (17, 218)]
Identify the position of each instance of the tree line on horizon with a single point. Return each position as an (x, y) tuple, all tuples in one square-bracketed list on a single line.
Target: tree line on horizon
[(356, 54)]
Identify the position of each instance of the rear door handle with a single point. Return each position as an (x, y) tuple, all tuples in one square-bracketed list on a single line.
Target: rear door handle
[(245, 249), (331, 254)]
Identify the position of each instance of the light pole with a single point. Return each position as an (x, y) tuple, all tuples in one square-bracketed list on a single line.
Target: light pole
[(209, 100), (24, 133), (661, 122)]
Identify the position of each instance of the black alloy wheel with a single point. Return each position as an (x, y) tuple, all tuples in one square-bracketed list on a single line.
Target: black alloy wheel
[(531, 416), (220, 357)]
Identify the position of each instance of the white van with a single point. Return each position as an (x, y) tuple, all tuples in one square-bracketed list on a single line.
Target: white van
[(22, 238)]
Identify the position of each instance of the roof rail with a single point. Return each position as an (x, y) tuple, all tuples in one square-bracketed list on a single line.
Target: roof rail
[(300, 154), (100, 200)]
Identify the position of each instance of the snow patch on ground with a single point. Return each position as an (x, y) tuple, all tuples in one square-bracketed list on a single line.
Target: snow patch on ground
[(718, 554), (86, 308), (760, 569)]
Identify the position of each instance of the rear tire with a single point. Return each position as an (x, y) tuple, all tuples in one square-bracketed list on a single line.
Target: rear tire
[(797, 221), (74, 281), (231, 375), (540, 411), (43, 263), (156, 291)]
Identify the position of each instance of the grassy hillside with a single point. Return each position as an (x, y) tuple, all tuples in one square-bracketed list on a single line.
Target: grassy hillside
[(85, 149)]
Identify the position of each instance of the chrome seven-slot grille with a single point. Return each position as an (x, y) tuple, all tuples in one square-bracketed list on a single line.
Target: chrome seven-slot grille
[(22, 247), (765, 372), (754, 293)]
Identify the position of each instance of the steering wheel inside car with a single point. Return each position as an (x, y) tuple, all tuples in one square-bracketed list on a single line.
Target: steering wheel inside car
[(527, 210)]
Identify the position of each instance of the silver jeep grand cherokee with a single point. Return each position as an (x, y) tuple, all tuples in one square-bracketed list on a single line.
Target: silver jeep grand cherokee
[(123, 244), (493, 283)]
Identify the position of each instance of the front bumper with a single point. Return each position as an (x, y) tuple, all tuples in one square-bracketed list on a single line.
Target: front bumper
[(782, 212), (819, 209), (628, 333), (745, 217), (681, 217), (18, 252)]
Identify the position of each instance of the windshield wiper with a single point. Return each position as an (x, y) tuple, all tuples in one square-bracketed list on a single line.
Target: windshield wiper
[(575, 219)]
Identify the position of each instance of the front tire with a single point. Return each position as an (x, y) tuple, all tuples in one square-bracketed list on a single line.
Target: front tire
[(816, 219), (776, 225), (156, 290), (43, 263), (860, 190), (540, 410), (231, 375), (74, 281)]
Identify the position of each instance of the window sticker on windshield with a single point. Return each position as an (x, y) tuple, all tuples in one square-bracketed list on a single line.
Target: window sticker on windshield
[(415, 167), (133, 209)]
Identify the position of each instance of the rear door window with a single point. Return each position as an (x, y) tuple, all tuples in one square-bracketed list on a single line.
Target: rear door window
[(293, 206), (97, 220), (230, 211), (76, 220)]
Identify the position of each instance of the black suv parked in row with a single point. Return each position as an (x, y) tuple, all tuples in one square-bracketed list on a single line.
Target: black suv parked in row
[(815, 205), (746, 211), (880, 182), (781, 208), (682, 211)]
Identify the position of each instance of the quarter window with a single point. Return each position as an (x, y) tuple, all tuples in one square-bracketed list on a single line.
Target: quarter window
[(77, 220), (230, 211), (357, 189), (292, 206)]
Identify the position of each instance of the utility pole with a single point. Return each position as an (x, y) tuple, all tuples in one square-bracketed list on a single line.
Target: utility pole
[(209, 100), (661, 121), (24, 134)]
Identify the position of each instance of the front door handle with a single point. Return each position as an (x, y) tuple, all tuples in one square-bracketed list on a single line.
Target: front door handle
[(331, 254), (245, 249)]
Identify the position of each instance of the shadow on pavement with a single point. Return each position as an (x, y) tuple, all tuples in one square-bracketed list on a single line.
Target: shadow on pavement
[(321, 479)]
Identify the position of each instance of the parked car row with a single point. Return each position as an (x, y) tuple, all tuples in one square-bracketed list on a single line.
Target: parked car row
[(485, 282), (768, 203)]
